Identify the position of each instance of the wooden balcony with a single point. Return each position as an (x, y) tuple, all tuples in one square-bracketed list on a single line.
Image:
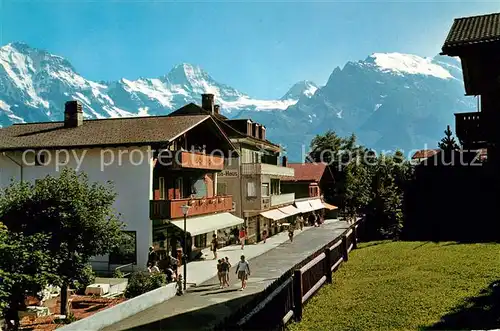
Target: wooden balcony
[(193, 160), (171, 209), (470, 128)]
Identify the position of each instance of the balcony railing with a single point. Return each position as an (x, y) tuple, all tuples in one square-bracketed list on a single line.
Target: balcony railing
[(266, 169), (171, 209), (193, 160), (282, 199), (470, 127)]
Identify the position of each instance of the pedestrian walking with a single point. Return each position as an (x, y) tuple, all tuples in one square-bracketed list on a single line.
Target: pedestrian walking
[(243, 235), (264, 234), (290, 232), (152, 256), (228, 267), (214, 246), (224, 272), (219, 273), (243, 271), (301, 222)]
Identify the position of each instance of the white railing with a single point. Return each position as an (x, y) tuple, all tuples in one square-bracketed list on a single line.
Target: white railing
[(282, 199), (267, 169)]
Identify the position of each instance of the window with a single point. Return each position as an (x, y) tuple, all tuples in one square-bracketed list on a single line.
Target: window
[(265, 189), (180, 187), (161, 186), (275, 186), (126, 252), (221, 188), (200, 241), (251, 190)]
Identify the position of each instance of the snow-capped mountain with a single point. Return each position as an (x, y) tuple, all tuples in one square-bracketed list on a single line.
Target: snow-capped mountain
[(35, 84), (389, 100)]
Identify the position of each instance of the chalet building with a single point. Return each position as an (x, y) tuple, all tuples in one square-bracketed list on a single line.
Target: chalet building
[(157, 164), (254, 177), (461, 193), (311, 183), (422, 155), (476, 41)]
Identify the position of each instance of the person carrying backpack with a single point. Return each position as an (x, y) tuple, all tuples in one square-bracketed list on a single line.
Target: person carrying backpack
[(243, 271)]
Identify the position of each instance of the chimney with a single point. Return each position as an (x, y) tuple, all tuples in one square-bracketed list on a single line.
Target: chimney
[(263, 132), (217, 109), (207, 102), (73, 114), (285, 161), (256, 130)]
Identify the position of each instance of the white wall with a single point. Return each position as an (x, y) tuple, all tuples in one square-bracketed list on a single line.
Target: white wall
[(132, 180)]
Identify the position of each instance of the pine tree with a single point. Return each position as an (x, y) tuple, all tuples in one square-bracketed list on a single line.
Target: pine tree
[(448, 143)]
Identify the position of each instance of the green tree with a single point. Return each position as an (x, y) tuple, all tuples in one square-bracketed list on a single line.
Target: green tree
[(26, 267), (77, 214), (385, 215), (357, 188), (448, 143)]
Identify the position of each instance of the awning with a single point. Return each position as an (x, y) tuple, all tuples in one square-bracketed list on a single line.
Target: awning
[(329, 206), (290, 210), (274, 214), (204, 224), (316, 204), (303, 206)]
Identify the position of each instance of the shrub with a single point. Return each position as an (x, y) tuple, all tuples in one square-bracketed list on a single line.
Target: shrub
[(142, 281), (84, 279), (117, 273)]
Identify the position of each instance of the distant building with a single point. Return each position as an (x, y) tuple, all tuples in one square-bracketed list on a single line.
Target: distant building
[(313, 185), (423, 154)]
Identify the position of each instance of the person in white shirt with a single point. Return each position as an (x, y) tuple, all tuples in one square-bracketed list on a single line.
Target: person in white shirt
[(243, 271)]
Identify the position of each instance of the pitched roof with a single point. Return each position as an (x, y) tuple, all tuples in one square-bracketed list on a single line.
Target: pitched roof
[(230, 131), (102, 132), (425, 153), (473, 30), (308, 171)]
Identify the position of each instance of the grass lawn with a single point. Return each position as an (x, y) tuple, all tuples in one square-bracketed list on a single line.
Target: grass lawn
[(410, 286)]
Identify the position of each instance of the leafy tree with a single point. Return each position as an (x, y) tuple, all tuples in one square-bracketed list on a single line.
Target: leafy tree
[(365, 182), (77, 214), (448, 143), (385, 216), (357, 189), (26, 267)]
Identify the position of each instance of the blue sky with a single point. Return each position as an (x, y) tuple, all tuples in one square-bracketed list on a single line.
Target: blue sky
[(260, 48)]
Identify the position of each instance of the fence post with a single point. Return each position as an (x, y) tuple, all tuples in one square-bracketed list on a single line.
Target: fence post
[(345, 248), (297, 295), (328, 265), (355, 237)]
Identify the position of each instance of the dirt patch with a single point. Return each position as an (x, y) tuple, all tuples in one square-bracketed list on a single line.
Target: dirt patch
[(81, 306)]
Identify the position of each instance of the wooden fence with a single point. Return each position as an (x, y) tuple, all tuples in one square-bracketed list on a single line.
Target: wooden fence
[(284, 299)]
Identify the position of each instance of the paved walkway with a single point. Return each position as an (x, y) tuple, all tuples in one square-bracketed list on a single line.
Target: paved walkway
[(201, 271), (206, 305)]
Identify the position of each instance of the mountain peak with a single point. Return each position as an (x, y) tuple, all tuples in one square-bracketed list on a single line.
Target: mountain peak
[(302, 88), (400, 64), (189, 74)]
